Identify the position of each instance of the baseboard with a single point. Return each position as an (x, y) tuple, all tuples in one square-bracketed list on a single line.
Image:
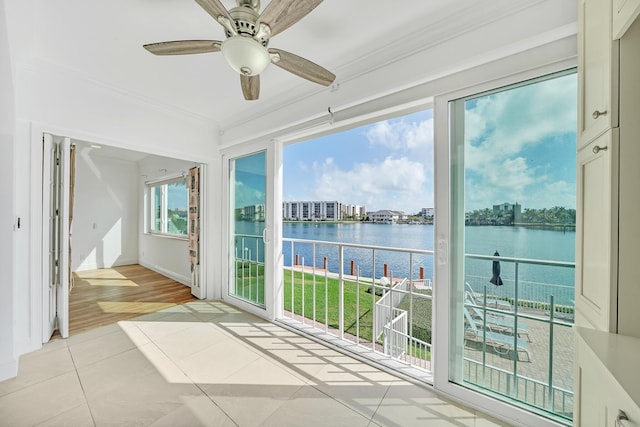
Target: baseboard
[(116, 263), (8, 370), (171, 274)]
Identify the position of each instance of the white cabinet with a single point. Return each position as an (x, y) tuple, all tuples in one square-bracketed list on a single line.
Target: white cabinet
[(629, 179), (624, 13), (607, 383), (597, 70), (596, 233)]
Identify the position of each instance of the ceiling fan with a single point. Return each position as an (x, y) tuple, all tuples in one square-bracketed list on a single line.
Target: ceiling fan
[(248, 33)]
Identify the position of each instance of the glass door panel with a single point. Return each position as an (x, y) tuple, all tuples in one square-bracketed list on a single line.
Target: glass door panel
[(247, 227), (513, 243)]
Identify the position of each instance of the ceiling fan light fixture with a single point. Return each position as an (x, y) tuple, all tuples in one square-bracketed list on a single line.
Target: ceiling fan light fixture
[(245, 55)]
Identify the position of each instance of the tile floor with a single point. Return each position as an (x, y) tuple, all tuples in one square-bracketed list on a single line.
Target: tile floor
[(208, 364)]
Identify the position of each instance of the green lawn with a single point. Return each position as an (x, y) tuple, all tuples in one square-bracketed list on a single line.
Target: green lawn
[(357, 302), (252, 287)]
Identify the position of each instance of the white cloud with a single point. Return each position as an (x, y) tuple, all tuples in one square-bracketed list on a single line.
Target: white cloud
[(394, 183), (246, 195), (401, 135), (499, 127)]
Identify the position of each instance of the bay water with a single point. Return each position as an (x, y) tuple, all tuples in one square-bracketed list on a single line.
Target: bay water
[(535, 281)]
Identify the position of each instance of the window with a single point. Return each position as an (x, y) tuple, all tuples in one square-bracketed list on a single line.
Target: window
[(513, 243), (169, 206)]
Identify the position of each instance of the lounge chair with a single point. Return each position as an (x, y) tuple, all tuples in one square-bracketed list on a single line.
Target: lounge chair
[(491, 302), (500, 342), (497, 322)]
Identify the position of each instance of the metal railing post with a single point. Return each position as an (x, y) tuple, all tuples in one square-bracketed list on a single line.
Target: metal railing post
[(302, 313), (551, 315), (341, 291), (515, 332), (314, 285), (484, 334), (373, 300), (293, 282)]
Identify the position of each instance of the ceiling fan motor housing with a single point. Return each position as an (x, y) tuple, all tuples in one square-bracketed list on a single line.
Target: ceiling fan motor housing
[(245, 18)]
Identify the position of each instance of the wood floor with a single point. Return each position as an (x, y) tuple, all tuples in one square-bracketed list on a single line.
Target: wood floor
[(101, 297)]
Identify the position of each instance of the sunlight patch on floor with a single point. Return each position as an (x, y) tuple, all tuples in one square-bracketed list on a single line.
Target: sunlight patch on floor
[(133, 307)]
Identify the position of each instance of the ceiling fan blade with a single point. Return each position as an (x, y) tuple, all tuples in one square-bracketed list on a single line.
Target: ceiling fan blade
[(183, 47), (301, 67), (219, 13), (250, 87), (281, 14)]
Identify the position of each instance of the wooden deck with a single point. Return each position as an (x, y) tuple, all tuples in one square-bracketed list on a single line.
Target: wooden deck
[(105, 296)]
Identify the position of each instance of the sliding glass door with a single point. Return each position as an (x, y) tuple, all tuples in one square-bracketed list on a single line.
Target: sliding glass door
[(247, 229), (513, 188)]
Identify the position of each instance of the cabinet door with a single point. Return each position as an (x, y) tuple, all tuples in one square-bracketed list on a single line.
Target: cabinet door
[(618, 400), (597, 70), (590, 408), (624, 13), (596, 233)]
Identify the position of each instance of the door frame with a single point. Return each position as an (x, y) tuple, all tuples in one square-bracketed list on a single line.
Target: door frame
[(36, 131), (273, 234), (55, 314)]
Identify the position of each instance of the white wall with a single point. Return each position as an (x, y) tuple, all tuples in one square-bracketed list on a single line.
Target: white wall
[(58, 101), (105, 217), (166, 255), (8, 364)]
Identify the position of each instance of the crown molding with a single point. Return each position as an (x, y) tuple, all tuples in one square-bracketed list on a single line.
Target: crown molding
[(35, 66), (444, 29)]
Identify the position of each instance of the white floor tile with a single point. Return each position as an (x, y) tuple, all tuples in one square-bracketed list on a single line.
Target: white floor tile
[(107, 375), (209, 364), (80, 416), (309, 407), (217, 362), (42, 401), (194, 412), (89, 351), (142, 401), (408, 405), (39, 366)]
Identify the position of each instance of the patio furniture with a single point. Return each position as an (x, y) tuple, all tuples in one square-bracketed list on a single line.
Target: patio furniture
[(502, 324), (501, 343), (490, 302)]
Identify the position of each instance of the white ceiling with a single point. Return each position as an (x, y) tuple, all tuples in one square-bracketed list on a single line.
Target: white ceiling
[(102, 42)]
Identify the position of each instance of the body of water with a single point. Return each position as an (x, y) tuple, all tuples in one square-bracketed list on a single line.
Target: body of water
[(513, 242), (534, 281)]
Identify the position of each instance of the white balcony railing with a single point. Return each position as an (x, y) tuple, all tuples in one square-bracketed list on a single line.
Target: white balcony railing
[(379, 299)]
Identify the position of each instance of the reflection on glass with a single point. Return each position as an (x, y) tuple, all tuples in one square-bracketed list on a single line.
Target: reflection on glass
[(157, 208), (248, 199), (513, 224), (177, 207)]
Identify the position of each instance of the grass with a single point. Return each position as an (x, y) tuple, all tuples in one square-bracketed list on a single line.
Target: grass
[(252, 287), (358, 302)]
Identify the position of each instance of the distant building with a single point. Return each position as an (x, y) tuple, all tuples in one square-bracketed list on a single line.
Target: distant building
[(507, 213), (250, 213), (386, 216), (427, 212), (321, 211)]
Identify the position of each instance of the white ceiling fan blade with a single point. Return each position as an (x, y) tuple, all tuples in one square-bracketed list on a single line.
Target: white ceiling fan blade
[(301, 67), (281, 14), (183, 47), (250, 87)]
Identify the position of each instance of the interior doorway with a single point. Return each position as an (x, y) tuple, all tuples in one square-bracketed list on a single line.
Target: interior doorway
[(101, 251)]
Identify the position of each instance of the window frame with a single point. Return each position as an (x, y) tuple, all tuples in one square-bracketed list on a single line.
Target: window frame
[(444, 133), (150, 187)]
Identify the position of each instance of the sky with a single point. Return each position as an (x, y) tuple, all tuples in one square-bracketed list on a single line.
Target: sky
[(384, 165), (519, 147)]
